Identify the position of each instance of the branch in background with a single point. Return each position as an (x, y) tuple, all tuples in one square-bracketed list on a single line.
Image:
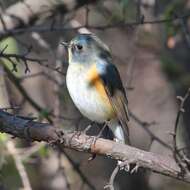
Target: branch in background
[(21, 89), (145, 126), (35, 131), (39, 74), (19, 165), (17, 83), (24, 58), (25, 13), (180, 159), (121, 24), (61, 170), (110, 185), (10, 145), (138, 13), (185, 30), (76, 167), (12, 57)]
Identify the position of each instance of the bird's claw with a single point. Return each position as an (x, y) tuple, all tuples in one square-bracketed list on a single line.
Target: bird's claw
[(124, 165), (92, 157), (135, 169), (88, 128)]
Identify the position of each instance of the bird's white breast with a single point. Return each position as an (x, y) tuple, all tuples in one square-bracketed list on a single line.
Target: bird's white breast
[(86, 97)]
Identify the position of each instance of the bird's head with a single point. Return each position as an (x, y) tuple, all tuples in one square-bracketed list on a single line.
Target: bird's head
[(86, 49)]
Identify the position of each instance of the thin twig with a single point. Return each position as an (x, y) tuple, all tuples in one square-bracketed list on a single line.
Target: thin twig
[(20, 167), (21, 89), (62, 170), (185, 31), (138, 13), (100, 27), (145, 126), (79, 171), (177, 156), (110, 185)]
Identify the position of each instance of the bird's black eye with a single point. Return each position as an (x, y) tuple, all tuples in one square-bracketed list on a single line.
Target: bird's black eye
[(79, 46)]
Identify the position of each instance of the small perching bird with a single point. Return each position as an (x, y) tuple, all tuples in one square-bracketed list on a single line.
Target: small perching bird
[(95, 85)]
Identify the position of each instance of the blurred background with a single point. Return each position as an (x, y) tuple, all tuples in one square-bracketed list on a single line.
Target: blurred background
[(150, 44)]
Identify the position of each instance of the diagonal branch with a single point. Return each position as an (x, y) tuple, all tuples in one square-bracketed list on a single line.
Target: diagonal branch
[(27, 12), (35, 131), (21, 89)]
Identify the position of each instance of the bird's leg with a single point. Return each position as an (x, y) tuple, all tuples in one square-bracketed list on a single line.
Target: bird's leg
[(88, 127), (93, 156), (78, 133), (100, 133), (101, 130), (135, 169)]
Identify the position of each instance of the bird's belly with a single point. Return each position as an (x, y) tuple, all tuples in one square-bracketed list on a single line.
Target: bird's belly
[(87, 98)]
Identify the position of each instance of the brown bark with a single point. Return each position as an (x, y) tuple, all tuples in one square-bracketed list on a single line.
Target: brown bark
[(28, 129)]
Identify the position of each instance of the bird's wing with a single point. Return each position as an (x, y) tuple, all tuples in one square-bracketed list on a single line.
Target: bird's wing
[(117, 95)]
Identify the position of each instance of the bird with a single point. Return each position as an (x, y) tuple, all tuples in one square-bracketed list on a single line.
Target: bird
[(95, 85)]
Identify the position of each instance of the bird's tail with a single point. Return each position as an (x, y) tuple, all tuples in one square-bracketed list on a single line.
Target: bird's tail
[(118, 132)]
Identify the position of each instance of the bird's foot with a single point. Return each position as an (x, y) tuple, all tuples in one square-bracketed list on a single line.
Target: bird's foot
[(92, 157), (88, 128), (135, 169), (125, 165), (78, 133), (101, 130), (95, 138)]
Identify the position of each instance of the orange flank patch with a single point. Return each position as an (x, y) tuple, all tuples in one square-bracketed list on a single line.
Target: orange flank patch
[(95, 80)]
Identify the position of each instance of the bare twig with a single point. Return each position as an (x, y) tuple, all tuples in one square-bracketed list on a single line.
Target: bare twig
[(26, 12), (145, 126), (177, 156), (180, 111), (138, 13), (20, 167), (110, 185), (21, 89), (185, 30), (62, 170), (4, 101), (100, 27), (23, 57), (87, 16), (76, 167), (41, 73)]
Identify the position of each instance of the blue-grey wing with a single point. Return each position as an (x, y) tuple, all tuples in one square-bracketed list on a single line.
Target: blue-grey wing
[(116, 93)]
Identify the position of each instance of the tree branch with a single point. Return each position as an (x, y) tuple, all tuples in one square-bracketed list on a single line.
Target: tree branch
[(25, 13), (34, 131)]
